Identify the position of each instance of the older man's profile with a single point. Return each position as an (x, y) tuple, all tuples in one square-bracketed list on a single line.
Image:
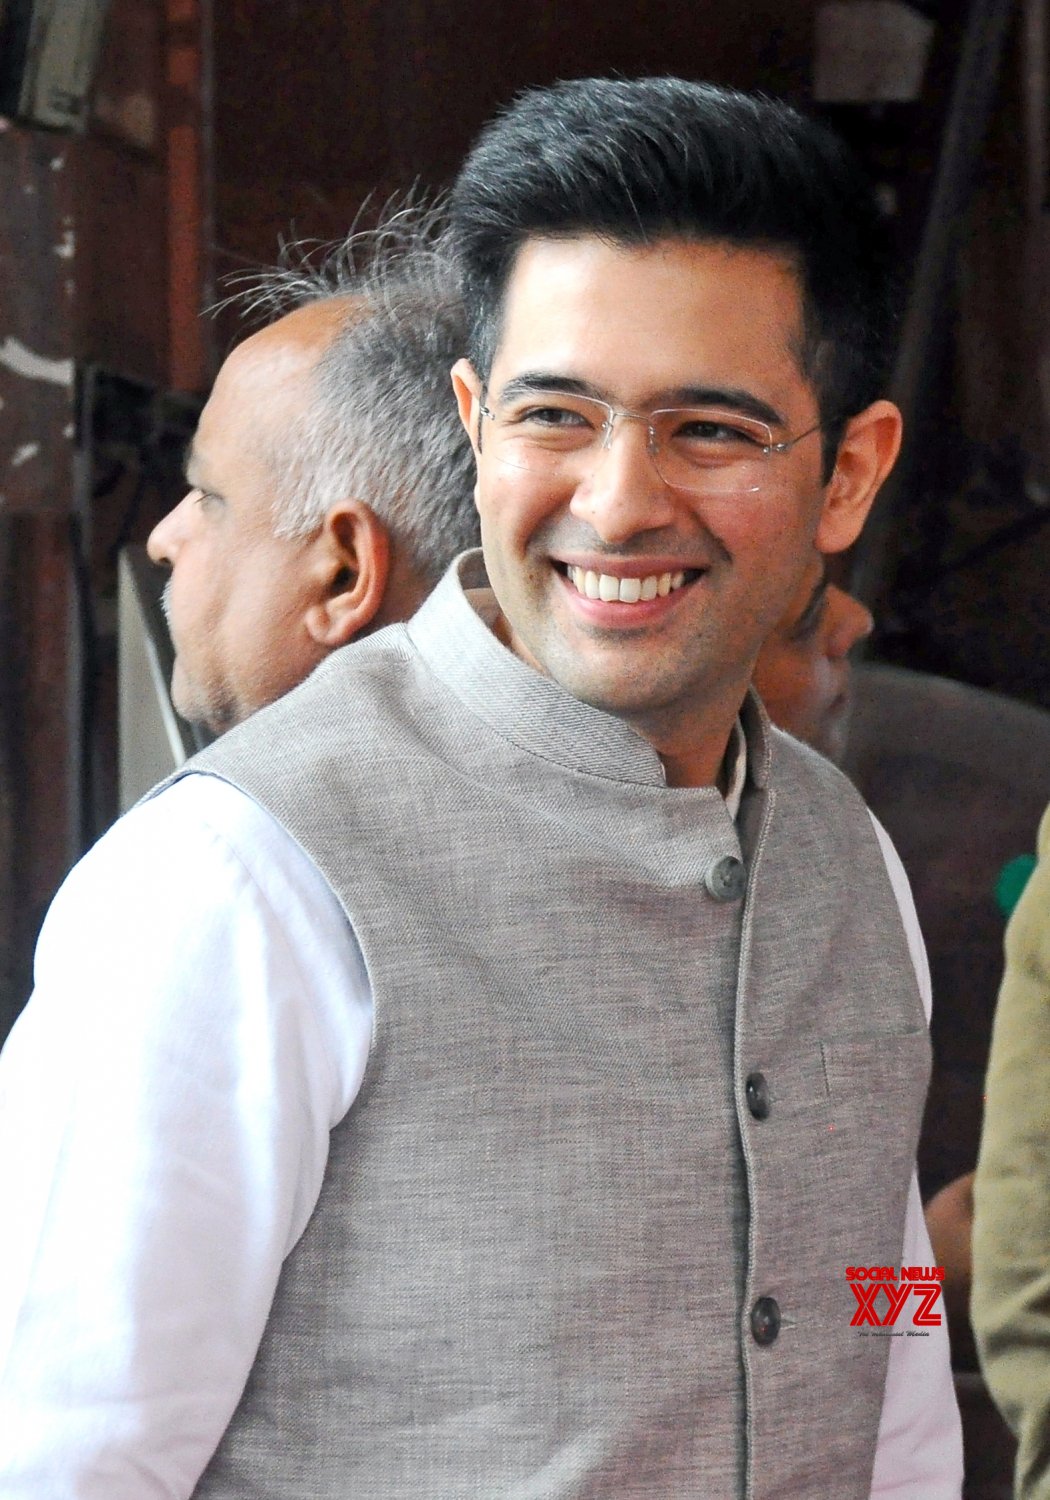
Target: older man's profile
[(329, 484)]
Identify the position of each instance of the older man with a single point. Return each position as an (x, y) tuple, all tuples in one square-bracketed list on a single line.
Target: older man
[(541, 1037), (330, 481), (803, 671)]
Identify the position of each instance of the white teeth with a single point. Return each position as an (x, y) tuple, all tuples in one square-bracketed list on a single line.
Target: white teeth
[(609, 588), (630, 590)]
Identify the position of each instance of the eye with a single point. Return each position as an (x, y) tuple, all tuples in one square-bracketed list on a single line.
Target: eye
[(205, 498), (553, 417), (716, 431), (545, 419), (556, 416)]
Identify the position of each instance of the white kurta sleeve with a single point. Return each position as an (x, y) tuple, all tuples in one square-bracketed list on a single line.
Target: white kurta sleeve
[(919, 1451), (201, 1019)]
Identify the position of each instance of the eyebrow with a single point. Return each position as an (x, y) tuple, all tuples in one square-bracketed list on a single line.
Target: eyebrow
[(729, 398), (191, 467)]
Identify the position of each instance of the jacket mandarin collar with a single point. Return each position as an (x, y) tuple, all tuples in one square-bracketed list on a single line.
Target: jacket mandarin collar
[(454, 633)]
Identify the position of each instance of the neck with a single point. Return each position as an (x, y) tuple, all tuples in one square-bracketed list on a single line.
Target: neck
[(693, 751), (404, 593), (691, 741)]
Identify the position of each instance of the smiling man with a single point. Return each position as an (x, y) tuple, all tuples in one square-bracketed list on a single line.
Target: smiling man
[(712, 528), (497, 1112)]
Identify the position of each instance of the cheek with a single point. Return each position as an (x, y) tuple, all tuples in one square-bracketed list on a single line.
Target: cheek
[(194, 602), (765, 535), (259, 652), (512, 507), (787, 687)]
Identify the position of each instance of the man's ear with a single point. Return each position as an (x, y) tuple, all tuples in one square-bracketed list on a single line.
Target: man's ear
[(467, 386), (351, 570), (867, 453)]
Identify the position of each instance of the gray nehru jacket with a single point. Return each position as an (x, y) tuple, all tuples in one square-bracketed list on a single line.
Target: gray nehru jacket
[(627, 1117)]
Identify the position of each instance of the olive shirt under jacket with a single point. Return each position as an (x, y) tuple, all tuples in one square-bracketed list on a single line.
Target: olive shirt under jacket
[(1011, 1239)]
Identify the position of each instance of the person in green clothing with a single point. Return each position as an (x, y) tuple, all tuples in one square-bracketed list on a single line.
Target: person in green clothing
[(1011, 1240)]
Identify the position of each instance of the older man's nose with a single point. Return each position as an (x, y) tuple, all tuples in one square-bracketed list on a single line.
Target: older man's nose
[(849, 621), (166, 538)]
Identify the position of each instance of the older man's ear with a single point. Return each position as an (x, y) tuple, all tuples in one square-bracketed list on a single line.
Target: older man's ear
[(352, 569)]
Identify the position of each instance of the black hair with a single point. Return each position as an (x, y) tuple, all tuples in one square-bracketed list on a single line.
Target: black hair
[(635, 161)]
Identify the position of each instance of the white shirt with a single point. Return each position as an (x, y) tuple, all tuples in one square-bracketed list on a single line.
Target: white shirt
[(164, 1116)]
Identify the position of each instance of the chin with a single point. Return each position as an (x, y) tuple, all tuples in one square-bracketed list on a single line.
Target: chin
[(606, 681), (624, 699), (832, 735), (181, 700), (188, 706)]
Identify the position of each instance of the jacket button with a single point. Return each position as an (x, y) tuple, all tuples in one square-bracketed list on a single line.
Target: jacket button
[(726, 880), (765, 1320), (757, 1090)]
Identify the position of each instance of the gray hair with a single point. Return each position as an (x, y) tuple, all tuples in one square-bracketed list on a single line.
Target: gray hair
[(381, 423)]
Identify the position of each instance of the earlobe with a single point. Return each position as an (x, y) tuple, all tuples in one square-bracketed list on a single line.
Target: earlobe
[(353, 567), (866, 454)]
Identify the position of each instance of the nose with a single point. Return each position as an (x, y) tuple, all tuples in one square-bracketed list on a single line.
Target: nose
[(623, 494), (167, 536), (849, 621)]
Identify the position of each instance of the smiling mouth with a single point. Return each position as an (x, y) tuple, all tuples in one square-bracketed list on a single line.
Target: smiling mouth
[(611, 589)]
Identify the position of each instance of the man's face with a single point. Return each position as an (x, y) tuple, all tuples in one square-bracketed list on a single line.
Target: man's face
[(803, 670), (236, 595), (666, 325)]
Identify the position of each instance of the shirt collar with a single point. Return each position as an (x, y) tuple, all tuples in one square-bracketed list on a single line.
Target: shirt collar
[(736, 769)]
